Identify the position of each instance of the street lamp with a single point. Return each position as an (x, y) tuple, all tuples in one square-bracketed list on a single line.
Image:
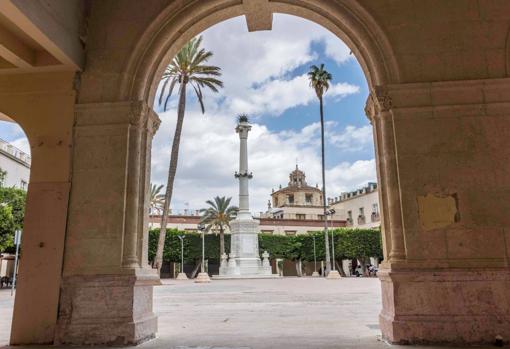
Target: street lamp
[(202, 277), (331, 212), (182, 275), (315, 273), (333, 274)]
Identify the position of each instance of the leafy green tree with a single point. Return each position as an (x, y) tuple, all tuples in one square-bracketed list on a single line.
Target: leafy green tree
[(3, 174), (319, 81), (218, 215), (187, 68), (360, 244), (7, 228), (12, 205)]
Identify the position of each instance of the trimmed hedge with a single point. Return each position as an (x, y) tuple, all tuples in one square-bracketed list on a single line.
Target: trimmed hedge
[(349, 243)]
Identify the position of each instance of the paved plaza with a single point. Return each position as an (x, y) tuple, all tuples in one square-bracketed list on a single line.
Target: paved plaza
[(293, 313)]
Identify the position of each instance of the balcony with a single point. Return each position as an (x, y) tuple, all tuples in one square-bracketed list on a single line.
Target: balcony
[(361, 220), (375, 217)]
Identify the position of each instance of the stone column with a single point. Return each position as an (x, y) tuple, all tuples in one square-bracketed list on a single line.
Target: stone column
[(442, 164), (106, 295), (244, 199)]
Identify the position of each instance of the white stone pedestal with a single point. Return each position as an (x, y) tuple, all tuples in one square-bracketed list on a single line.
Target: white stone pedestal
[(202, 278), (315, 274), (333, 275), (181, 276)]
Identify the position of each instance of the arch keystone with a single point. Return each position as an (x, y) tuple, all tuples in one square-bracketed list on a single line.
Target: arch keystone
[(258, 15)]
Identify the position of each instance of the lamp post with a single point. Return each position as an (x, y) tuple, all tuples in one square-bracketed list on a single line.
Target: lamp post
[(315, 273), (202, 277), (331, 213), (333, 274), (182, 275), (17, 242)]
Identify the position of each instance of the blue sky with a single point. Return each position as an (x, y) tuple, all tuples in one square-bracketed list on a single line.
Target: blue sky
[(265, 76)]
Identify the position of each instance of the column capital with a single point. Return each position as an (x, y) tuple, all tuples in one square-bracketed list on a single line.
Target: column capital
[(378, 101), (135, 113)]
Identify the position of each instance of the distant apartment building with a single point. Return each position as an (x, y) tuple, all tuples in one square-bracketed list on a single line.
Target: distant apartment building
[(359, 208), (16, 164)]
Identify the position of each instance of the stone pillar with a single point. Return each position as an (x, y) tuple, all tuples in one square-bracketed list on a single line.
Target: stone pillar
[(443, 168), (106, 295)]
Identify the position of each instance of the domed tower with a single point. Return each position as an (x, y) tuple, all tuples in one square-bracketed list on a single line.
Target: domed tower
[(297, 200), (297, 178)]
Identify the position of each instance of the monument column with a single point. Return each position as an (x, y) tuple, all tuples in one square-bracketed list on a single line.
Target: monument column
[(244, 199), (244, 257)]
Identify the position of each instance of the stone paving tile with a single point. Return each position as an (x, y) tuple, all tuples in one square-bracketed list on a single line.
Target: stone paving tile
[(289, 313)]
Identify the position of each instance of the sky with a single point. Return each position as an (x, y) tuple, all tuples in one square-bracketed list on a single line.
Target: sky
[(264, 75)]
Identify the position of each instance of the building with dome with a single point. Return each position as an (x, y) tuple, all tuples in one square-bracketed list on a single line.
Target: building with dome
[(297, 200)]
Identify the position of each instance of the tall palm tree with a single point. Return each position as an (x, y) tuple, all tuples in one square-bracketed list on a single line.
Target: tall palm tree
[(156, 199), (319, 81), (187, 68), (219, 215)]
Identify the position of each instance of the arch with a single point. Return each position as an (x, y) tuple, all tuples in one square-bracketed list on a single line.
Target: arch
[(177, 24)]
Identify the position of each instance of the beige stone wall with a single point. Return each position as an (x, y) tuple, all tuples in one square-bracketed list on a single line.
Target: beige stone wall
[(43, 104)]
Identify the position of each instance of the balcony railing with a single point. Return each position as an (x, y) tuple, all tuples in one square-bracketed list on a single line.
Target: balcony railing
[(375, 217), (361, 220), (15, 152)]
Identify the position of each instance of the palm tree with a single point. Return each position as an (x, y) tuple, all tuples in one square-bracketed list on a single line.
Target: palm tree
[(156, 198), (188, 67), (319, 81), (219, 215)]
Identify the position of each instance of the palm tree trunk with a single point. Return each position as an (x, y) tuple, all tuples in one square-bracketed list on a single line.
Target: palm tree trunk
[(325, 217), (171, 175), (222, 241)]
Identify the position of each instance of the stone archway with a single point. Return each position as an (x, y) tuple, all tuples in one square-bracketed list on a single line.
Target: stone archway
[(439, 145)]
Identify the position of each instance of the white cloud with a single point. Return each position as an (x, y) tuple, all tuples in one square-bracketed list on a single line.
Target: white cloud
[(22, 144), (209, 157), (276, 96), (352, 138), (256, 66), (339, 53)]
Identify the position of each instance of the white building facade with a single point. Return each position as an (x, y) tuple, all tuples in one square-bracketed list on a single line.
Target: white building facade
[(16, 165), (359, 208)]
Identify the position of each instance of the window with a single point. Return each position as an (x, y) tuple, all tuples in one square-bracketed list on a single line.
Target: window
[(375, 208), (361, 211), (276, 202), (320, 217), (290, 232), (301, 216), (308, 199), (267, 231), (349, 215), (23, 185), (290, 199)]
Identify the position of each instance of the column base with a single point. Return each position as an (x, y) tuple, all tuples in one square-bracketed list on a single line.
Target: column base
[(333, 275), (203, 278), (182, 276), (106, 310), (445, 307)]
